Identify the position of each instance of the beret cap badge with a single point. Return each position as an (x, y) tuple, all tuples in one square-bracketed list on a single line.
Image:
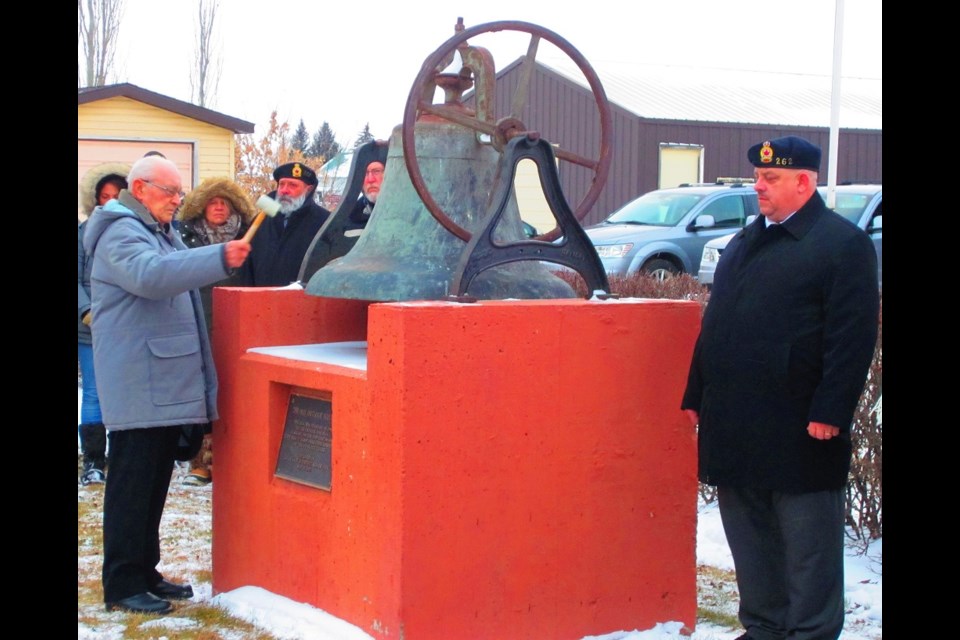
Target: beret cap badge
[(296, 171), (766, 153)]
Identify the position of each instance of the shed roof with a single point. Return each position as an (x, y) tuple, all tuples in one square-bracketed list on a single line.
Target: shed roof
[(132, 91), (722, 95)]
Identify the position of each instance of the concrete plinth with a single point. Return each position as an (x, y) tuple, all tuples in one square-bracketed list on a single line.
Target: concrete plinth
[(504, 469)]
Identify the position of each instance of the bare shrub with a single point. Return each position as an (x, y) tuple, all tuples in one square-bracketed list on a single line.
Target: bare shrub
[(644, 285), (864, 517)]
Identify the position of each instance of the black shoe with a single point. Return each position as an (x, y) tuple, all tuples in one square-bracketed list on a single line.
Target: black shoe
[(141, 603), (172, 591)]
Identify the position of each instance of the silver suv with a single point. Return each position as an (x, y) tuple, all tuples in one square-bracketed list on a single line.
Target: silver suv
[(663, 232), (861, 204)]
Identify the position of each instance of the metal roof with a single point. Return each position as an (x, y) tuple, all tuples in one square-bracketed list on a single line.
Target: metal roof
[(721, 95)]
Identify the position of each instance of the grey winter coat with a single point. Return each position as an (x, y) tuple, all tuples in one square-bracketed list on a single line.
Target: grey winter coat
[(150, 346)]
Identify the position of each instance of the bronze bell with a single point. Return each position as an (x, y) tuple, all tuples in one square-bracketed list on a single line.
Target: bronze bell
[(404, 253)]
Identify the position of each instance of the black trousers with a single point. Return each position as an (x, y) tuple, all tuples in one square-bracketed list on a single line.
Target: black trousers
[(788, 553), (141, 465)]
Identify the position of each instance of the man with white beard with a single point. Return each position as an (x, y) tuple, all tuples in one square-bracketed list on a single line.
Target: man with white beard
[(281, 242)]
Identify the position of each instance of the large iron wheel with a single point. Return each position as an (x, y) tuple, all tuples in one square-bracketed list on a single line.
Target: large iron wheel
[(502, 130)]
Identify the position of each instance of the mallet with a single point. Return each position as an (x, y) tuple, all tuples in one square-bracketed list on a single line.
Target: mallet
[(268, 207)]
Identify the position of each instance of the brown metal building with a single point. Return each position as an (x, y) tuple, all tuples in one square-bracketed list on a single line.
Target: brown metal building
[(564, 111)]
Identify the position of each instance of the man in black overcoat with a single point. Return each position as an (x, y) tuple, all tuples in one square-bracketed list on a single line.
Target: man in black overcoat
[(370, 191), (782, 357), (282, 241)]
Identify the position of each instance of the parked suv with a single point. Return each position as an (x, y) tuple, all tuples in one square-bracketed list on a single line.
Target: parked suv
[(663, 232), (861, 204)]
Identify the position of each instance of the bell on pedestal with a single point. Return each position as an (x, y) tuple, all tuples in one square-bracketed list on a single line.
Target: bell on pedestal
[(405, 254), (423, 240)]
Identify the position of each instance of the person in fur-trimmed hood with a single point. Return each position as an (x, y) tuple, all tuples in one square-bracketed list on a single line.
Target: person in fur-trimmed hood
[(217, 211), (96, 178), (99, 185)]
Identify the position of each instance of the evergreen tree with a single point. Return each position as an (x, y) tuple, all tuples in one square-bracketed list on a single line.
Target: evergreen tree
[(364, 137), (301, 139), (324, 144)]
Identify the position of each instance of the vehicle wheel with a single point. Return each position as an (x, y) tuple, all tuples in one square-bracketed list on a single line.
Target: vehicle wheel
[(660, 269)]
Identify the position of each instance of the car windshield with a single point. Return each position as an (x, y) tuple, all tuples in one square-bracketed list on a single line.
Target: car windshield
[(655, 208), (850, 205)]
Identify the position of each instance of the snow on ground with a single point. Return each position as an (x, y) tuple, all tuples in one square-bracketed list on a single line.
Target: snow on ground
[(864, 595), (187, 523)]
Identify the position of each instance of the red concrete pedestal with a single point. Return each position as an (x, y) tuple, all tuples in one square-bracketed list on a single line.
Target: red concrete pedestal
[(504, 469)]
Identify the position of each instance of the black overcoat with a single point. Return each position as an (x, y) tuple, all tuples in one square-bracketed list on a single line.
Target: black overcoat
[(277, 252), (787, 338)]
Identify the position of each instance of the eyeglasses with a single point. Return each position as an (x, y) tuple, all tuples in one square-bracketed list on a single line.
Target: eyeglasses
[(374, 172), (170, 191)]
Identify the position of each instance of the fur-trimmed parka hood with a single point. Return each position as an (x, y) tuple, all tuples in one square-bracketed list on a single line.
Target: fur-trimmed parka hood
[(196, 201), (88, 185)]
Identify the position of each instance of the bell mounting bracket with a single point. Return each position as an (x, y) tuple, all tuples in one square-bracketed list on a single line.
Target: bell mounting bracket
[(574, 250)]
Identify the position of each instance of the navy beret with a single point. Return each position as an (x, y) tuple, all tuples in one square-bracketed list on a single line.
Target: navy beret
[(296, 170), (789, 152)]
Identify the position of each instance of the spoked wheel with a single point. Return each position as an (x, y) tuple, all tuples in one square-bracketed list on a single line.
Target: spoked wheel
[(500, 130)]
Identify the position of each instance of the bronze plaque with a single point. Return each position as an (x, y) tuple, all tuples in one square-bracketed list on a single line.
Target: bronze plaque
[(307, 437)]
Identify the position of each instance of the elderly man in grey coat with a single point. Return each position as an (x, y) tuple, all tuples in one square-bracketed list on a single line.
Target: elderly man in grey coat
[(155, 371)]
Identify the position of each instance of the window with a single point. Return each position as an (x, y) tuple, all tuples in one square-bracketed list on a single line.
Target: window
[(726, 212)]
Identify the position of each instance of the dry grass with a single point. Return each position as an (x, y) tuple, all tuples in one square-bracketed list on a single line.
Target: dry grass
[(717, 597)]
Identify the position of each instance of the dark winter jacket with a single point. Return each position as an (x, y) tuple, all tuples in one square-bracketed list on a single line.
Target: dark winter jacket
[(787, 339), (360, 214), (277, 252), (191, 214), (150, 345)]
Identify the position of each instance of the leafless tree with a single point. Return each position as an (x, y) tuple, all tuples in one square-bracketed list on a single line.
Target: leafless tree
[(98, 24), (205, 74)]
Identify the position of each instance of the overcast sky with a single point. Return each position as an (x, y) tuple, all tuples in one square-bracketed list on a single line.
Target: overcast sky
[(351, 62)]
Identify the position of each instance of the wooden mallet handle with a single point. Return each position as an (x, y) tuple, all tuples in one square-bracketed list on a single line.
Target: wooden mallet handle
[(268, 207)]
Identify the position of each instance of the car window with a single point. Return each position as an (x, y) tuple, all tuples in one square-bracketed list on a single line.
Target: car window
[(850, 205), (656, 208), (726, 211), (876, 214)]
